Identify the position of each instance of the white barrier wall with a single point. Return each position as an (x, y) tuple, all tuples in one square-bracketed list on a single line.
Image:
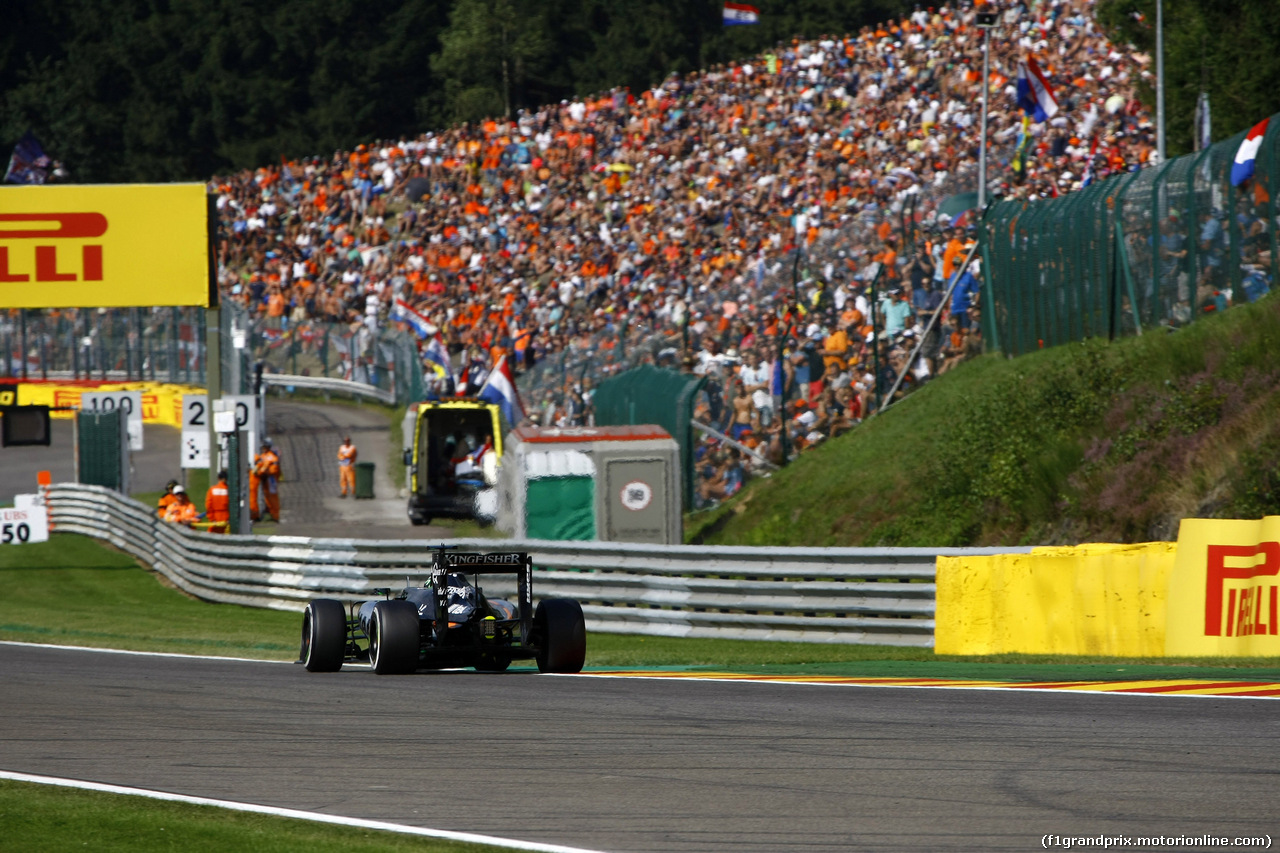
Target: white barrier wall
[(825, 595)]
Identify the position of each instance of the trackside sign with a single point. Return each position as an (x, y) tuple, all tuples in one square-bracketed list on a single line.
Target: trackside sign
[(1224, 591), (68, 246), (20, 526)]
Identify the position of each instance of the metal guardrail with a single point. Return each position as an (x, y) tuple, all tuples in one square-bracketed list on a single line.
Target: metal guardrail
[(329, 385), (826, 595)]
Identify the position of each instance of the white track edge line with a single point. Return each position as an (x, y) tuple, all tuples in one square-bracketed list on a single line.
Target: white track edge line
[(107, 651), (317, 817), (921, 686)]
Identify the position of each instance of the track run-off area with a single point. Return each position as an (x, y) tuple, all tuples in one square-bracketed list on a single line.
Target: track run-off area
[(655, 761)]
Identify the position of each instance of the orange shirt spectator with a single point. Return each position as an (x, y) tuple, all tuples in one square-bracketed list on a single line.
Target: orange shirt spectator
[(835, 349)]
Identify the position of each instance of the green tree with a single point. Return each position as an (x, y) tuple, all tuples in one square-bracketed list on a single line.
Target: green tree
[(153, 90), (489, 52), (1227, 48), (182, 89)]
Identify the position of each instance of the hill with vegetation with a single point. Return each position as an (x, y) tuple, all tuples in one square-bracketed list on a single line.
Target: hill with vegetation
[(1091, 442)]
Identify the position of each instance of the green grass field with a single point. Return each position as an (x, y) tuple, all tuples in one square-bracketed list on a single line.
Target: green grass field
[(48, 819)]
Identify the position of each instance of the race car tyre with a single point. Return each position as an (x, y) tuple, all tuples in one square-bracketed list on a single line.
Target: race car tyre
[(393, 637), (562, 635), (324, 635)]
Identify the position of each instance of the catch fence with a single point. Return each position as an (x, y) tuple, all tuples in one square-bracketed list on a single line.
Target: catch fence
[(1154, 249), (170, 345)]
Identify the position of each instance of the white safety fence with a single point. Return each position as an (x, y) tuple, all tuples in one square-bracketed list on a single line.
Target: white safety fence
[(328, 385), (825, 595)]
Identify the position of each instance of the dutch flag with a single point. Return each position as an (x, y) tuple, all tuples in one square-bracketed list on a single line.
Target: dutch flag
[(1247, 153), (1034, 95), (500, 389), (740, 13), (403, 312)]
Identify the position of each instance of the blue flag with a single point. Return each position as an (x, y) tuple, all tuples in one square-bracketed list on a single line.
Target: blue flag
[(29, 164)]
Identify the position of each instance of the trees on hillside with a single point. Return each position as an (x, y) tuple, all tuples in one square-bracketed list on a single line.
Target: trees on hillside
[(487, 54), (1227, 48), (137, 90)]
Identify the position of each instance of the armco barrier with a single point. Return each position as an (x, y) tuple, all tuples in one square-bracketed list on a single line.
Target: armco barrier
[(329, 385), (825, 595)]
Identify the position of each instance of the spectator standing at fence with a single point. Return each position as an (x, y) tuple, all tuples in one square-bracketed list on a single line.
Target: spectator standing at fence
[(896, 312), (835, 350), (346, 467), (756, 376), (963, 298), (953, 254)]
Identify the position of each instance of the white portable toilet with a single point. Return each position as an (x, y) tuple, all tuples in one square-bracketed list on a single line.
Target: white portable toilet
[(614, 484)]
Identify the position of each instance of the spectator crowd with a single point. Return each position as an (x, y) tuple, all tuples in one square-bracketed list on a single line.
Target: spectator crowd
[(670, 225)]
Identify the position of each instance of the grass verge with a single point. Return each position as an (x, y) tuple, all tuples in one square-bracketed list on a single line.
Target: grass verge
[(49, 819), (72, 590)]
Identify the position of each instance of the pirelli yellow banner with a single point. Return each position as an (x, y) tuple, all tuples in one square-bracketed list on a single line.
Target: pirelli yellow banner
[(104, 246), (1224, 593), (1216, 592)]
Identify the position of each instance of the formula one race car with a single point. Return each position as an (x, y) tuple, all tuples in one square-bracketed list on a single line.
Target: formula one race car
[(448, 623)]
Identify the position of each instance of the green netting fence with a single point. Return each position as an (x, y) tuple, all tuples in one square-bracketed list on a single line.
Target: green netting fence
[(1145, 250), (653, 395)]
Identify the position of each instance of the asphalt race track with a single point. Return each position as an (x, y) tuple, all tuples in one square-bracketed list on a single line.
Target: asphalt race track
[(649, 765)]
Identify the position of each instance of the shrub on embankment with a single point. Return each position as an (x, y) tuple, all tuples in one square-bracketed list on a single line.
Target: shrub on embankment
[(1088, 442)]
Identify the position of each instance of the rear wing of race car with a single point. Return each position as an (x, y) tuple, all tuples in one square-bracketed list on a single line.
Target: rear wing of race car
[(518, 563)]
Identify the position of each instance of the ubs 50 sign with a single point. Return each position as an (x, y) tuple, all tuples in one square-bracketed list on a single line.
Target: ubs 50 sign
[(1224, 591), (68, 246)]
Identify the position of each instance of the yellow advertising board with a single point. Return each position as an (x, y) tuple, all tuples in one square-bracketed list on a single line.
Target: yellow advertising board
[(104, 246), (161, 402), (1093, 599), (1224, 593)]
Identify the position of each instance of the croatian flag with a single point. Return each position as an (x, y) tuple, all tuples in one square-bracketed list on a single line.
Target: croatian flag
[(403, 312), (1034, 95), (1247, 153), (437, 355), (740, 13), (500, 389)]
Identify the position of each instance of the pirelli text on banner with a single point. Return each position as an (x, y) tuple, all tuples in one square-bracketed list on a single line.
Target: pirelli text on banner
[(1224, 591), (69, 246)]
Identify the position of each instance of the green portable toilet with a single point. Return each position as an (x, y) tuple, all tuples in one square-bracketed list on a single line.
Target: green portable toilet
[(615, 484), (102, 449)]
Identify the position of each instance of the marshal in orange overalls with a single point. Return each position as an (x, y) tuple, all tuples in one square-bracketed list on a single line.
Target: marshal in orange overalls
[(347, 468), (265, 474), (217, 505)]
